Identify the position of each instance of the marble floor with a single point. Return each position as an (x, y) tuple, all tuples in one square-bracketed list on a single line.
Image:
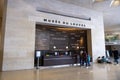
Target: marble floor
[(95, 72)]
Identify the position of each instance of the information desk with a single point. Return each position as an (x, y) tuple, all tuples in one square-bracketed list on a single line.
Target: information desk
[(58, 60)]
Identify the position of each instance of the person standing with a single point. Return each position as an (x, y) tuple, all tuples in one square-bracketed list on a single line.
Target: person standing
[(88, 59), (115, 55), (84, 58), (81, 58)]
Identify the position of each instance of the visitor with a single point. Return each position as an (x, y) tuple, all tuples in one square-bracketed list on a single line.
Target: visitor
[(115, 55)]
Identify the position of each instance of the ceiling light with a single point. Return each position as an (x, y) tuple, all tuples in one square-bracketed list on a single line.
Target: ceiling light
[(115, 3), (67, 29), (54, 47), (98, 0), (66, 47)]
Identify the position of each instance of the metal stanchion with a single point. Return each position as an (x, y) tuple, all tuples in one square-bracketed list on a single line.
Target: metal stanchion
[(38, 54), (37, 63)]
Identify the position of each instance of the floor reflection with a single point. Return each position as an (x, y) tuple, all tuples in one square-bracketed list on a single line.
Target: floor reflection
[(95, 72)]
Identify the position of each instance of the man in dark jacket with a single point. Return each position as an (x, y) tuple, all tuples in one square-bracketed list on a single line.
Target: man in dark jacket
[(115, 55)]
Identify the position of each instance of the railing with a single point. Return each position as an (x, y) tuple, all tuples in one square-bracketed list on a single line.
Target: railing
[(116, 42)]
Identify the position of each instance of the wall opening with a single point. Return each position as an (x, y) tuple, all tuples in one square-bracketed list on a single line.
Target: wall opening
[(60, 45)]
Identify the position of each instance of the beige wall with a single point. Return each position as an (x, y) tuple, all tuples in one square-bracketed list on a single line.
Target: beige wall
[(0, 35), (96, 24), (19, 37), (19, 40), (0, 44), (89, 42), (2, 26)]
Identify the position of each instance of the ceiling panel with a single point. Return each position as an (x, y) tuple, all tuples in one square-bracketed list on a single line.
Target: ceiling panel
[(110, 13)]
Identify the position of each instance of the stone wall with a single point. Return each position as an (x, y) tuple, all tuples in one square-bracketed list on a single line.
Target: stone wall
[(19, 43), (1, 44), (2, 28), (19, 37)]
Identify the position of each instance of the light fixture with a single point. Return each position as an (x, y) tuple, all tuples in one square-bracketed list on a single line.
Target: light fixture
[(67, 29), (77, 47), (50, 11), (54, 47), (98, 0), (112, 3), (115, 3), (66, 47)]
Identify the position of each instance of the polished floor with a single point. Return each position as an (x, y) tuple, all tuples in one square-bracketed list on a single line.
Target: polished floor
[(95, 72)]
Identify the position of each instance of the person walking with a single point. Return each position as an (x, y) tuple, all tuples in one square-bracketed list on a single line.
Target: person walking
[(115, 55)]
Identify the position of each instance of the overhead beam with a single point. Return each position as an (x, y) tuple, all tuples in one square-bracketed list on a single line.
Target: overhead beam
[(55, 13)]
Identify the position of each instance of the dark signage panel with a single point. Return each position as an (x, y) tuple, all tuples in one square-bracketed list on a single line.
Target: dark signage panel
[(52, 38), (59, 45)]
